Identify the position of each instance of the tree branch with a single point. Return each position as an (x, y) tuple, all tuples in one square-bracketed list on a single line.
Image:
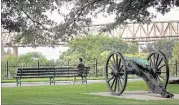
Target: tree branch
[(81, 10), (34, 20)]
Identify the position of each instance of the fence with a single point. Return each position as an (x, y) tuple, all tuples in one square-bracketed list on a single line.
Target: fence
[(96, 69), (174, 68), (8, 70)]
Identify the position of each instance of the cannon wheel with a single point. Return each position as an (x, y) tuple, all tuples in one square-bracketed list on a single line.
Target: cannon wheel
[(116, 73), (159, 63)]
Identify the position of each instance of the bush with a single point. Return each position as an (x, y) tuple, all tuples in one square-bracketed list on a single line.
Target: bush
[(29, 59), (12, 60), (137, 55)]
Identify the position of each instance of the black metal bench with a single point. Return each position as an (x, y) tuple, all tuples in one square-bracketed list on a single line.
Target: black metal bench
[(73, 72), (51, 73)]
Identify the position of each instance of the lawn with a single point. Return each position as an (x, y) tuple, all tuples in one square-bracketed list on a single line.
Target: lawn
[(73, 95)]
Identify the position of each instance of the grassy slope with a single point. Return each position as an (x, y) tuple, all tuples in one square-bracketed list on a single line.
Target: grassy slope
[(69, 94)]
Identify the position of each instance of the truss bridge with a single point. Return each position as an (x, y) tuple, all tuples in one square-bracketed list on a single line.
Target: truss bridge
[(136, 33), (143, 33)]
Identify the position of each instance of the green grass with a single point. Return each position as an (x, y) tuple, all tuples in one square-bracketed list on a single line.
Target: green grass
[(74, 95)]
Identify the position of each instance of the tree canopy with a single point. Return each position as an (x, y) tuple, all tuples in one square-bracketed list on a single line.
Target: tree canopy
[(95, 47), (91, 47), (175, 51), (29, 17), (164, 45)]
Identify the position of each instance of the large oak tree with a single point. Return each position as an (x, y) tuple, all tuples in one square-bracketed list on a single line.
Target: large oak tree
[(29, 17)]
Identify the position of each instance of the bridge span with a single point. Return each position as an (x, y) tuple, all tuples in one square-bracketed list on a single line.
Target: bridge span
[(143, 32), (137, 33)]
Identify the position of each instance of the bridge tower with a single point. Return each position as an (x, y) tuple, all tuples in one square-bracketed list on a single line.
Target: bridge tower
[(6, 39)]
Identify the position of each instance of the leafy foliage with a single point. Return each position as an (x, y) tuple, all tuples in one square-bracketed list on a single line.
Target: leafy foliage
[(124, 11), (164, 45), (94, 47), (18, 15), (32, 58), (137, 55), (12, 60), (29, 17), (29, 59), (175, 52)]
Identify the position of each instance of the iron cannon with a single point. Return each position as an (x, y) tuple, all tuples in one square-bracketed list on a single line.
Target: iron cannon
[(154, 71)]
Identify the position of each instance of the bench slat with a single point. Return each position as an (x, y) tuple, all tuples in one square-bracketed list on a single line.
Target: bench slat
[(47, 76), (36, 72), (48, 72)]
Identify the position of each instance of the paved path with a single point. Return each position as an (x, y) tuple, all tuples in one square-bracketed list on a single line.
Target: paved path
[(65, 82), (137, 95), (47, 83), (174, 78), (56, 83)]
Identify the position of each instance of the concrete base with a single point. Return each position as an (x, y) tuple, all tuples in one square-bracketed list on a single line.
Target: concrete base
[(138, 95)]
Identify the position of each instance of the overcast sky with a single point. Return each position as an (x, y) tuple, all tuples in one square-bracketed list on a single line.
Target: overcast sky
[(172, 15), (53, 53)]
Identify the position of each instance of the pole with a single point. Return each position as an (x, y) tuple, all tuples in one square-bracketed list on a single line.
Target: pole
[(38, 67), (96, 67), (53, 63), (68, 62), (7, 67), (176, 67)]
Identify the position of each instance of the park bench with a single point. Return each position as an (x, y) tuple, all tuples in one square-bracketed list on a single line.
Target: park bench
[(52, 73), (73, 72)]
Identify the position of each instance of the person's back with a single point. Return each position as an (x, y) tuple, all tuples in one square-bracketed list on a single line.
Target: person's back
[(81, 72), (80, 66)]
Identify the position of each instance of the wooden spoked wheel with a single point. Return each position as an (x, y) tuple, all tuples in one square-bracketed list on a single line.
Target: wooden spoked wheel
[(158, 62), (116, 73)]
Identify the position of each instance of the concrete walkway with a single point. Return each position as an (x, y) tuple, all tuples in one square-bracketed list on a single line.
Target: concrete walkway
[(47, 83), (66, 82), (137, 95), (56, 83)]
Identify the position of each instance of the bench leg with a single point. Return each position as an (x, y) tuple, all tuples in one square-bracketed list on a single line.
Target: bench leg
[(18, 81), (74, 80), (86, 80), (82, 79), (52, 80)]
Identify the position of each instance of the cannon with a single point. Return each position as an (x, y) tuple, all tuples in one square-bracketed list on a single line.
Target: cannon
[(154, 71)]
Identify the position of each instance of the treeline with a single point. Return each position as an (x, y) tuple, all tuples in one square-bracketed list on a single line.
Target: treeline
[(94, 49), (27, 60)]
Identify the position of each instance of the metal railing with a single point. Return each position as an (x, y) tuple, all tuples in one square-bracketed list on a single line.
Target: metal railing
[(96, 69)]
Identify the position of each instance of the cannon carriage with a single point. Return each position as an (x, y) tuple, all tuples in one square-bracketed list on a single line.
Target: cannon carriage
[(154, 71)]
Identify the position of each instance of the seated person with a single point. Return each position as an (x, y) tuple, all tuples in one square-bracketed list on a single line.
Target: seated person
[(80, 66)]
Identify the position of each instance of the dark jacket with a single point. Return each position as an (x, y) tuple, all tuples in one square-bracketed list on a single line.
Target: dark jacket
[(80, 67)]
